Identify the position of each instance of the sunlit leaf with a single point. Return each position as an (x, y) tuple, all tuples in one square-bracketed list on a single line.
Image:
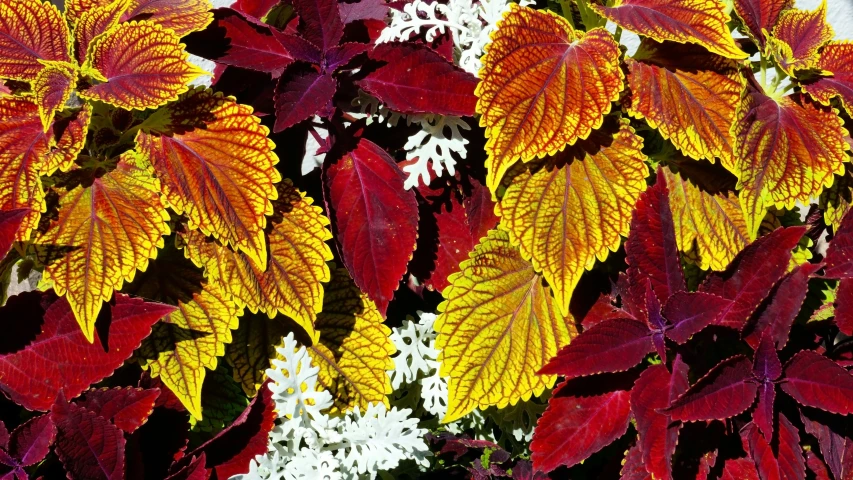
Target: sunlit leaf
[(30, 31), (797, 37), (10, 223), (574, 208), (75, 8), (51, 89), (181, 16), (95, 21), (836, 62), (498, 326), (760, 15), (543, 85), (74, 127)]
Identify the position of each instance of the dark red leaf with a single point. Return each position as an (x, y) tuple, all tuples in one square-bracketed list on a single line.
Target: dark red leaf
[(610, 346), (31, 441), (816, 381), (752, 274), (844, 306), (834, 435), (320, 22), (727, 390), (761, 453), (655, 321), (301, 95), (298, 48), (455, 242), (574, 427), (706, 463), (817, 467), (763, 414), (417, 79), (4, 436), (480, 210), (128, 408), (342, 54), (254, 8), (60, 358), (523, 470), (651, 250), (690, 312), (89, 446), (603, 309), (632, 466), (839, 254), (194, 471), (779, 315), (376, 219), (792, 466), (739, 469), (766, 364), (10, 221), (363, 10)]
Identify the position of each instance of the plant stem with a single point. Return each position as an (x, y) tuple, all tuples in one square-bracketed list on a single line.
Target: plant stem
[(566, 6), (618, 34)]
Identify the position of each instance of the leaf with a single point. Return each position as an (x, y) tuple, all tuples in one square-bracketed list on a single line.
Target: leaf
[(127, 408), (843, 303), (230, 156), (751, 275), (760, 15), (834, 434), (31, 31), (837, 79), (31, 441), (797, 37), (222, 400), (320, 22), (181, 16), (632, 465), (691, 312), (816, 381), (792, 466), (355, 348), (75, 128), (140, 65), (761, 453), (574, 427), (497, 327), (610, 346), (417, 79), (766, 368), (103, 234), (52, 87), (543, 85), (95, 21), (291, 283), (739, 469), (10, 222), (60, 358), (786, 150), (816, 466), (688, 95), (75, 8), (564, 218), (255, 8), (300, 95), (195, 470), (683, 21), (724, 392), (252, 348), (89, 446), (376, 219), (839, 255), (654, 390)]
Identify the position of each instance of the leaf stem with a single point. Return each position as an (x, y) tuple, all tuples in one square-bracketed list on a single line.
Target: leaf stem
[(618, 34)]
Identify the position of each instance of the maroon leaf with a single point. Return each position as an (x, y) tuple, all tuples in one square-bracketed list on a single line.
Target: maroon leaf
[(363, 10), (844, 306), (341, 55), (727, 390), (610, 346), (839, 254), (632, 466), (816, 381), (4, 436), (61, 359), (766, 368), (10, 221), (654, 390), (761, 453), (739, 469), (31, 441), (834, 435), (89, 446), (574, 427), (195, 470), (300, 96), (128, 408), (455, 242), (416, 79), (690, 312), (792, 466), (375, 217), (706, 463), (763, 414), (254, 8), (603, 309), (655, 321), (298, 48), (752, 274), (817, 467), (480, 210), (766, 364), (320, 22), (651, 250)]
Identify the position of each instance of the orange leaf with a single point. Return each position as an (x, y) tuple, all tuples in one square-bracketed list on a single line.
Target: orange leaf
[(141, 65), (74, 128), (74, 9), (221, 174), (760, 15), (836, 61), (52, 88), (103, 234), (95, 21), (31, 30), (543, 85), (684, 21), (182, 16), (574, 208), (785, 150), (798, 36), (688, 95)]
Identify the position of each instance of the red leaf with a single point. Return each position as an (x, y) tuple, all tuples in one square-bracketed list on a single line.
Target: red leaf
[(816, 381), (128, 408), (727, 390), (480, 210), (790, 457), (766, 365), (763, 414), (417, 79), (341, 55), (254, 8), (766, 368), (320, 22), (31, 441), (61, 359), (375, 217), (194, 471), (301, 95), (654, 390), (89, 446), (610, 346), (817, 467), (632, 466), (299, 48), (4, 436), (603, 309), (363, 10), (689, 313), (740, 469), (455, 242), (844, 306), (761, 453), (834, 435), (651, 250), (751, 275), (10, 221), (760, 15), (839, 254), (574, 427), (706, 463)]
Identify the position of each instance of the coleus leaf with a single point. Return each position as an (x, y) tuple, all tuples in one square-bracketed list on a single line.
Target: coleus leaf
[(792, 465), (89, 446), (766, 369), (75, 8), (222, 400), (10, 222), (725, 391), (690, 312), (839, 255), (417, 79), (31, 441), (688, 95), (229, 153), (816, 381), (31, 32), (95, 21), (52, 87), (834, 434), (254, 8), (739, 469), (74, 127), (843, 307), (610, 346), (181, 16), (195, 470), (494, 301), (252, 348), (837, 79), (816, 466), (141, 65), (376, 219), (798, 36), (775, 172), (761, 453), (528, 93), (354, 350), (633, 467), (127, 408), (682, 21), (320, 22), (300, 95), (602, 177), (759, 16), (291, 283), (60, 358)]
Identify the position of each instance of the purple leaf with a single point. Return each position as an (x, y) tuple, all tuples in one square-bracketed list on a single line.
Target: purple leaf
[(298, 48), (320, 22), (766, 364), (727, 390), (690, 312), (839, 254), (763, 414), (31, 441), (4, 436), (834, 435), (610, 346), (341, 55), (363, 10), (300, 95), (816, 381), (89, 446)]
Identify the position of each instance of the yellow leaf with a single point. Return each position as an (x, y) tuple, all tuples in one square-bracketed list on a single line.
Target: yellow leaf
[(497, 328), (52, 88), (95, 21), (836, 200)]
